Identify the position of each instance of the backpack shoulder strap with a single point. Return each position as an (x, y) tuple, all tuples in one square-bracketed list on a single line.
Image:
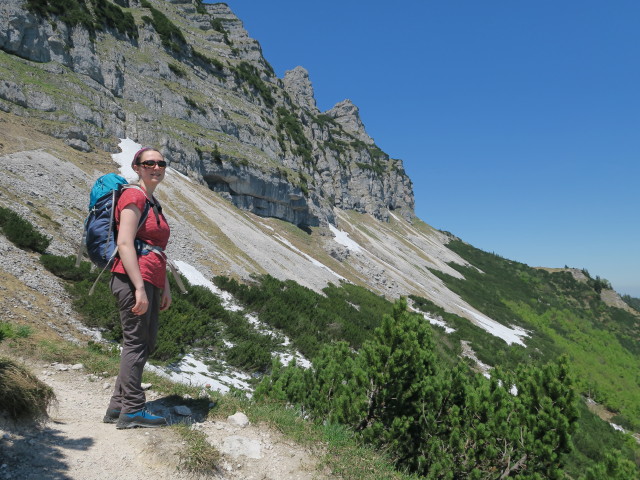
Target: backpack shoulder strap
[(148, 203)]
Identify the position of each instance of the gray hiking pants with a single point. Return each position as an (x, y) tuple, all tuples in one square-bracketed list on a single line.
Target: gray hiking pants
[(139, 334)]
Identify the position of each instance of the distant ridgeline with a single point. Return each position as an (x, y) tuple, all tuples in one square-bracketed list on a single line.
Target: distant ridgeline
[(186, 77)]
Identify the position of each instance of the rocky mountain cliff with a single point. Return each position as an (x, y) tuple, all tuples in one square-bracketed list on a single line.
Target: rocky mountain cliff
[(186, 77)]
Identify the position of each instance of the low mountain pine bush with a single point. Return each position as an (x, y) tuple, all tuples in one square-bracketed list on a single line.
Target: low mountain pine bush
[(21, 232)]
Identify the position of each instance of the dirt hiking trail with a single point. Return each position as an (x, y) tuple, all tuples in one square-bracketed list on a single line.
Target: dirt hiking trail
[(74, 443)]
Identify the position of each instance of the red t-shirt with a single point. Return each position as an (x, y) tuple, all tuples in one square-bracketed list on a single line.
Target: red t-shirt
[(154, 231)]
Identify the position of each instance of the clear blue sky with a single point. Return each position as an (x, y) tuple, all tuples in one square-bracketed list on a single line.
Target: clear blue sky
[(518, 121)]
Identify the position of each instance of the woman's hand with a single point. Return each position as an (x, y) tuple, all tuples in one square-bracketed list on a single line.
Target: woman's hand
[(165, 301), (142, 302)]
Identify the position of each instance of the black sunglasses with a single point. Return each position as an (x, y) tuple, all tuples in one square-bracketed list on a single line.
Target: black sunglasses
[(153, 163)]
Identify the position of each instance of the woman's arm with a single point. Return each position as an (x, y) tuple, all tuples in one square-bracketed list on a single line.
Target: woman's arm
[(129, 218)]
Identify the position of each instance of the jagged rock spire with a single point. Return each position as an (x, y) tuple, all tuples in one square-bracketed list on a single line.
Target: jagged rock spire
[(348, 115), (298, 86)]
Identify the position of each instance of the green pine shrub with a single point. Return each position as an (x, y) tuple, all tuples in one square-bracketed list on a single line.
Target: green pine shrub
[(192, 321), (200, 8), (71, 12), (76, 12), (248, 74), (171, 36), (21, 232), (65, 268), (195, 320), (323, 120), (252, 354), (177, 70), (289, 123), (436, 422), (213, 64), (114, 17), (310, 319), (194, 105)]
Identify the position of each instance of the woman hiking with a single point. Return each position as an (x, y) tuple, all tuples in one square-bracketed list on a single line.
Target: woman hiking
[(141, 287)]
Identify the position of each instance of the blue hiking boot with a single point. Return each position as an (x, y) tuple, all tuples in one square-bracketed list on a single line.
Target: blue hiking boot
[(141, 418), (112, 415)]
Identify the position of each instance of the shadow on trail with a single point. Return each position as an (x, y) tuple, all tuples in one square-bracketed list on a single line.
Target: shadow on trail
[(173, 409), (38, 453)]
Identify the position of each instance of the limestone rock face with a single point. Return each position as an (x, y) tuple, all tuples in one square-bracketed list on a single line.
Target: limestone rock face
[(27, 36), (265, 194), (298, 86), (207, 99)]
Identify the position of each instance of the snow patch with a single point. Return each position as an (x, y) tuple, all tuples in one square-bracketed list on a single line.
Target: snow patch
[(192, 371), (196, 278), (343, 239), (128, 149), (509, 335), (286, 358), (617, 427), (438, 322)]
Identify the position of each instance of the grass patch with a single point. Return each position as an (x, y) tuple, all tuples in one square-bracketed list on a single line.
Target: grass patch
[(22, 395), (9, 330), (199, 456)]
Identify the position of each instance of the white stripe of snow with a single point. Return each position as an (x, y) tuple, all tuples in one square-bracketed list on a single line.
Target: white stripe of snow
[(125, 157), (196, 278), (617, 427), (439, 323), (509, 335)]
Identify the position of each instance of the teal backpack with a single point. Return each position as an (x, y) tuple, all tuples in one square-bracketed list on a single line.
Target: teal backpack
[(99, 239)]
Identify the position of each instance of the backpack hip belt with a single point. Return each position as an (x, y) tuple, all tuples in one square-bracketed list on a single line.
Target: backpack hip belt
[(145, 248)]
